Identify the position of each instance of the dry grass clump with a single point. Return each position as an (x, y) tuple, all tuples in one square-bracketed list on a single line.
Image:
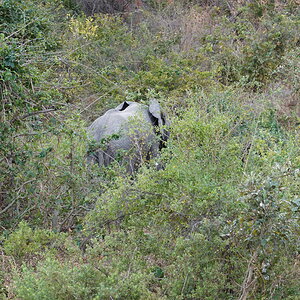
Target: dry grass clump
[(186, 25), (195, 23), (91, 7)]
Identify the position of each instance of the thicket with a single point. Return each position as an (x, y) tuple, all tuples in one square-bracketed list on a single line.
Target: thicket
[(220, 221)]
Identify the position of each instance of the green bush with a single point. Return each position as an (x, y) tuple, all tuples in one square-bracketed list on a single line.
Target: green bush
[(77, 280), (219, 220), (196, 202), (25, 242)]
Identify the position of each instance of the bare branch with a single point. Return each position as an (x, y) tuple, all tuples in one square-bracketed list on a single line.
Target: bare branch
[(248, 280), (32, 114), (17, 198)]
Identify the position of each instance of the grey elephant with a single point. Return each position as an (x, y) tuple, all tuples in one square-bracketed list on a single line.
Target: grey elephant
[(131, 133)]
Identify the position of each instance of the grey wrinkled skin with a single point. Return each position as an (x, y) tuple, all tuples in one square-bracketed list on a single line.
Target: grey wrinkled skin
[(131, 133)]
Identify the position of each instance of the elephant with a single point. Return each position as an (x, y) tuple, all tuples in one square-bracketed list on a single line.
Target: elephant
[(131, 133)]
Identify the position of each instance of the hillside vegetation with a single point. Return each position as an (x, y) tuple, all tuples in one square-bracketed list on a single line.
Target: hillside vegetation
[(220, 220)]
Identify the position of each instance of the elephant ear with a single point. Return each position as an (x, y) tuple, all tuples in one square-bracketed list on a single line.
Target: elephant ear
[(159, 119), (154, 110)]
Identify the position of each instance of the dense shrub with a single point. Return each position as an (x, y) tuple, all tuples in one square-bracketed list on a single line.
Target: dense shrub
[(199, 209), (219, 220)]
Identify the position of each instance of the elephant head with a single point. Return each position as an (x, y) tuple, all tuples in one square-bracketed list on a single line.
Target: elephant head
[(130, 133)]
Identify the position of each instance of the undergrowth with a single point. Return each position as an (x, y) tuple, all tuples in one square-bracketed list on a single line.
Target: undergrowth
[(220, 220)]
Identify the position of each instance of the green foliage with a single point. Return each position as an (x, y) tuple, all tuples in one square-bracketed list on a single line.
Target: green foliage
[(253, 49), (17, 19), (26, 100), (56, 281), (26, 242), (172, 79), (195, 202), (267, 224), (77, 280), (219, 220)]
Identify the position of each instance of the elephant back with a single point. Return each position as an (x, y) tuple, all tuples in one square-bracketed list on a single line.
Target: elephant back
[(119, 119), (132, 130)]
